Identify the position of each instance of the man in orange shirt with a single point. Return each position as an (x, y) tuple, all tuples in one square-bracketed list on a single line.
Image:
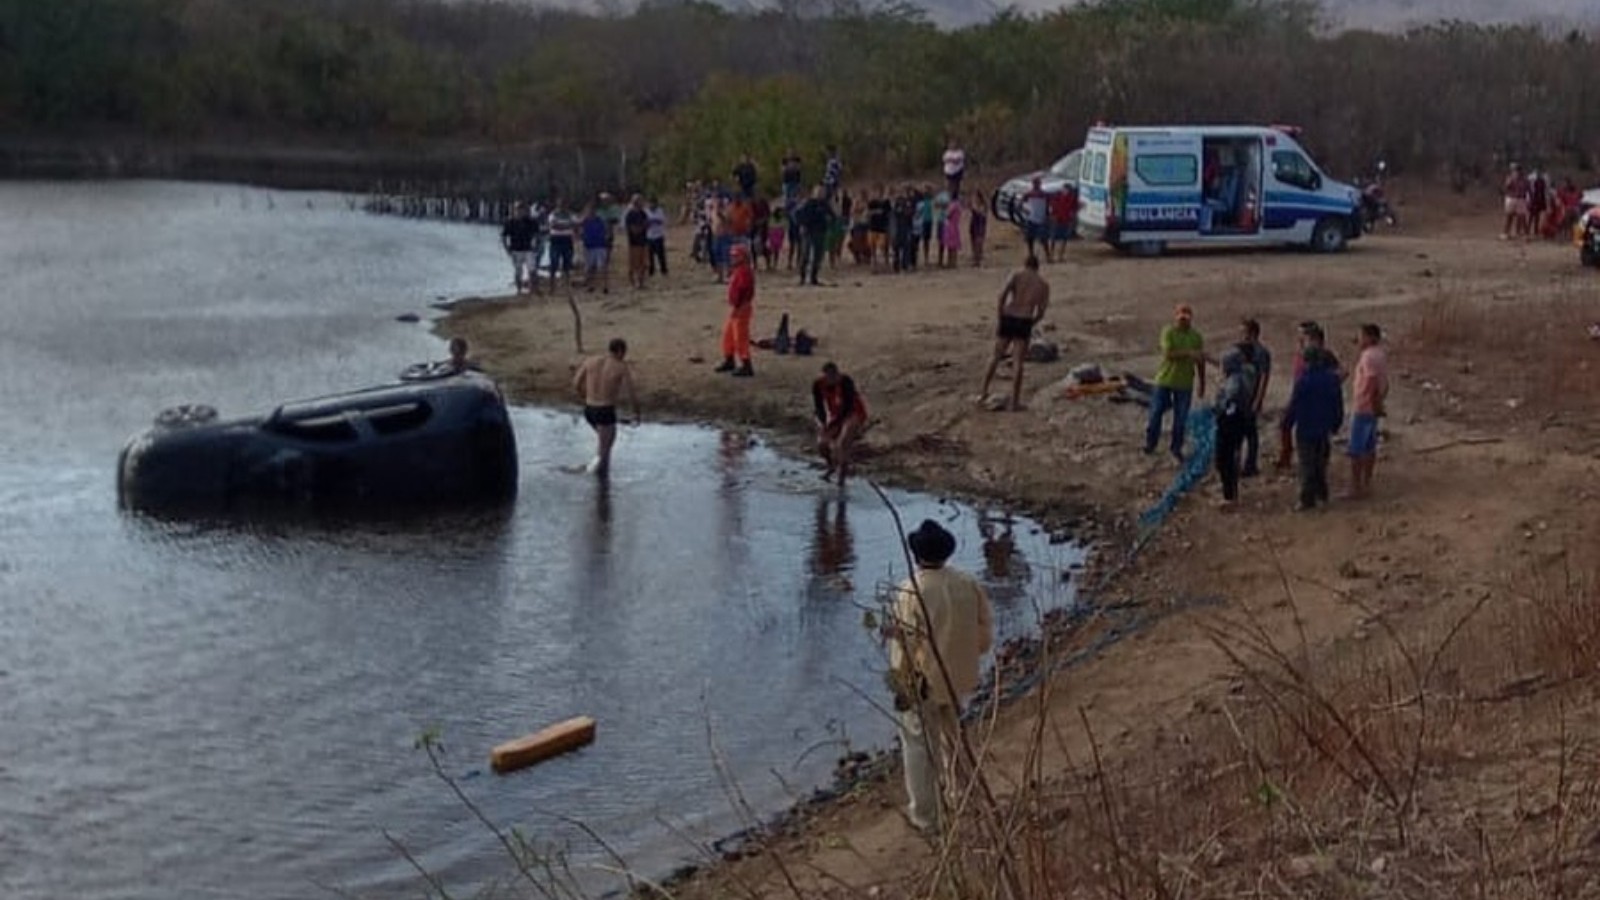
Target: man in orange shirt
[(741, 308)]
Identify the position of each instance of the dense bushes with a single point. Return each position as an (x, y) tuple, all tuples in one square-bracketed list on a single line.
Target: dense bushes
[(687, 85)]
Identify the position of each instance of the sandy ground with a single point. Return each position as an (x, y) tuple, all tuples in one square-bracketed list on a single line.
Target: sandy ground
[(1489, 451)]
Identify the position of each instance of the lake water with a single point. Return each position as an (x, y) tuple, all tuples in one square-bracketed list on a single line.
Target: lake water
[(210, 712)]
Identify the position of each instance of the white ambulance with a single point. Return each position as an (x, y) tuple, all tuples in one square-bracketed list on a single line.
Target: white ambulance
[(1141, 189)]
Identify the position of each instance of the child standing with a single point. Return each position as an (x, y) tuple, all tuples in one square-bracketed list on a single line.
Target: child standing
[(776, 229), (950, 236), (977, 228)]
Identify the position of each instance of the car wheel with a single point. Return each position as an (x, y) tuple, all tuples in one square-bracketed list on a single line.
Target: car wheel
[(1329, 236)]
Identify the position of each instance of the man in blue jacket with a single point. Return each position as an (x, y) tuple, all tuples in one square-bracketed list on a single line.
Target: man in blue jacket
[(1316, 410)]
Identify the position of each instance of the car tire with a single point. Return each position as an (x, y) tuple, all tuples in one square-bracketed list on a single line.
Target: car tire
[(1329, 236)]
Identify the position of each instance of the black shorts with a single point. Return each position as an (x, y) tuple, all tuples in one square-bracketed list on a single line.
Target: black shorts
[(1014, 328), (600, 416)]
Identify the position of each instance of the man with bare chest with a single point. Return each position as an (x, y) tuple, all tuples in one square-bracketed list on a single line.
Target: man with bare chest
[(1022, 303), (601, 380)]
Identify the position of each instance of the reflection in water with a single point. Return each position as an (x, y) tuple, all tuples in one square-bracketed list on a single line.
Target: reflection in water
[(597, 558), (1005, 569), (833, 551), (732, 449)]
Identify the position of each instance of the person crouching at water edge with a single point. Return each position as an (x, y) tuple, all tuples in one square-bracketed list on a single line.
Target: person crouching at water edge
[(741, 309), (941, 628), (600, 380), (841, 414)]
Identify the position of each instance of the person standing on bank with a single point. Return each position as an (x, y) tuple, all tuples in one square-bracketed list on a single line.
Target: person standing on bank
[(1250, 333), (1182, 368), (1369, 391), (1022, 303), (1316, 410), (656, 237), (601, 381), (1234, 409), (941, 627), (832, 174), (741, 309), (517, 236), (814, 218), (636, 227), (744, 174), (955, 166), (791, 175)]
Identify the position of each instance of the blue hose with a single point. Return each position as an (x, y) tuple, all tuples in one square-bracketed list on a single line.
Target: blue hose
[(1202, 444)]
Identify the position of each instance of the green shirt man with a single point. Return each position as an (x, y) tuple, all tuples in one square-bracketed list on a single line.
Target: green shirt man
[(1182, 368), (1181, 349)]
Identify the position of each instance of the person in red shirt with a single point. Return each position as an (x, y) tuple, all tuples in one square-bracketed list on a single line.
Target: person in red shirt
[(1063, 212), (741, 308), (841, 413)]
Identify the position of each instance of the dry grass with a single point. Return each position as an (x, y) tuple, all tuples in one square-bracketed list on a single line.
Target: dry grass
[(1460, 764), (1500, 359)]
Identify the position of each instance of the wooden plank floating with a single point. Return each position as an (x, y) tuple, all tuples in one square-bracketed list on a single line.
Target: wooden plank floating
[(562, 737)]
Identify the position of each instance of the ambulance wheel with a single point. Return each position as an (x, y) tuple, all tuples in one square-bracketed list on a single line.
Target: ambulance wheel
[(1147, 248), (1329, 236)]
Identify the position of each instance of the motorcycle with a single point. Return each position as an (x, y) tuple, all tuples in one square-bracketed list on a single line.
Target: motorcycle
[(1375, 206)]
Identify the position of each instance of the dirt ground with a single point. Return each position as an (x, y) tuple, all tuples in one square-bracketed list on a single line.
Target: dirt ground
[(1485, 485)]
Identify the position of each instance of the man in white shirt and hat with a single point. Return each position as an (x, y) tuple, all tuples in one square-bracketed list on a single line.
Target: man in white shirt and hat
[(942, 627)]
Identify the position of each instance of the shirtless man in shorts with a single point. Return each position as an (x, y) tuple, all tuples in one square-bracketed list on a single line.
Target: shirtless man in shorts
[(600, 380), (1022, 304)]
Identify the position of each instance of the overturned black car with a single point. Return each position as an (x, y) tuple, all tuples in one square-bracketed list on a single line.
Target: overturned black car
[(437, 438)]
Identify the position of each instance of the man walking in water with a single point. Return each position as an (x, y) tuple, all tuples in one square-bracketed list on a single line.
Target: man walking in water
[(741, 309), (941, 626), (600, 380), (1021, 305), (841, 414)]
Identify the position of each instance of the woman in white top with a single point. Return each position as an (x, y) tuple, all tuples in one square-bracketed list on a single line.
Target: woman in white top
[(955, 166)]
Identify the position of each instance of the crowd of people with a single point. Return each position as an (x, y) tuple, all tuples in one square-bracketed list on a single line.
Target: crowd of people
[(539, 239), (891, 228), (1535, 207), (1314, 414)]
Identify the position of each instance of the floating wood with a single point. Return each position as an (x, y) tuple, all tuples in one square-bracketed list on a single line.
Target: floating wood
[(563, 737)]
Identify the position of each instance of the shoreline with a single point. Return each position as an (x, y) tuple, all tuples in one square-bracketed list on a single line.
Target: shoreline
[(344, 166), (1143, 662)]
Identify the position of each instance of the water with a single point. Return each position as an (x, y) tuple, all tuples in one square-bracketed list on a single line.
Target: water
[(209, 712)]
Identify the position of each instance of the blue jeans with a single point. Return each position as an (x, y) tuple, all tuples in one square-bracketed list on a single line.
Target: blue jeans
[(1162, 400)]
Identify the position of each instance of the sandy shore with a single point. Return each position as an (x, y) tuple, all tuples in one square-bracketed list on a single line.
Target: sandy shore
[(1486, 438)]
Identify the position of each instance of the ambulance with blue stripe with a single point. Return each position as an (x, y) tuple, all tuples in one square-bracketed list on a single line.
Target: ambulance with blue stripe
[(1141, 189)]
